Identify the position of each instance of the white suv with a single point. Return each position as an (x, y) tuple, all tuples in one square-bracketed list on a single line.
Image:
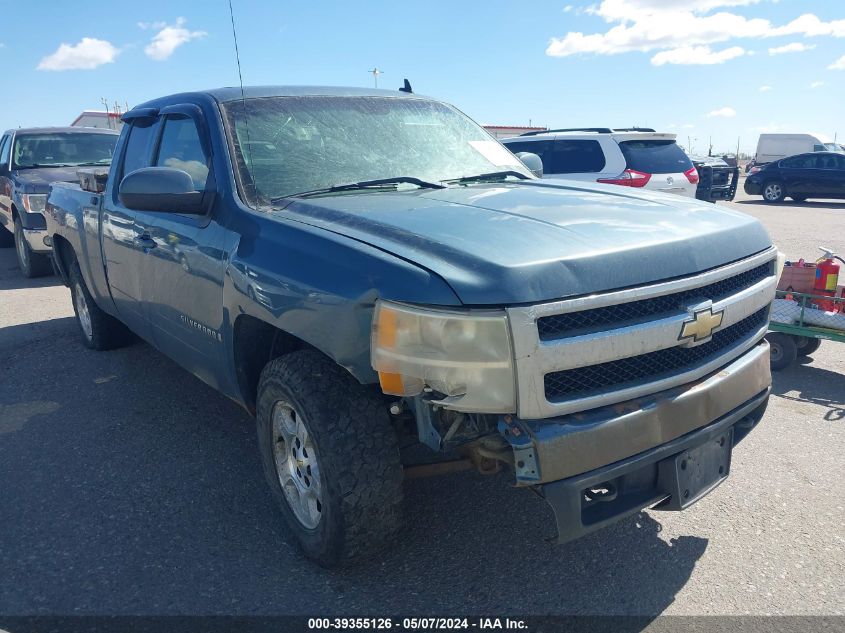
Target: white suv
[(631, 157)]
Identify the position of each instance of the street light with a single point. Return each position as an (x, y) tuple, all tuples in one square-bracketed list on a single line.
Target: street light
[(376, 72)]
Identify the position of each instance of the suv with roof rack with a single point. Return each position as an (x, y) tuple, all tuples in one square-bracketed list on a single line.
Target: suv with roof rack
[(631, 157)]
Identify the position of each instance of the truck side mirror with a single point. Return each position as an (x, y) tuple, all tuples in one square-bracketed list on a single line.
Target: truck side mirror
[(162, 189), (533, 162)]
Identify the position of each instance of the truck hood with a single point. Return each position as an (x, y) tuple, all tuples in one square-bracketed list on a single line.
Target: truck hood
[(538, 241), (37, 180)]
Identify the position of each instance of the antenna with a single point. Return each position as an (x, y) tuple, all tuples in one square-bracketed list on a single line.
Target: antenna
[(243, 98), (376, 72)]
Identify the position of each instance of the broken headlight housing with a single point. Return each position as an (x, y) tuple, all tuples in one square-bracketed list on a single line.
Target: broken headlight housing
[(464, 359)]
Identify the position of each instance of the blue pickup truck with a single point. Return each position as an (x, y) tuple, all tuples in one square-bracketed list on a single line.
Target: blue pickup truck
[(392, 292), (31, 159)]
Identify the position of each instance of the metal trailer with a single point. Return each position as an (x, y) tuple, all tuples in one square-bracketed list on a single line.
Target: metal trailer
[(797, 329)]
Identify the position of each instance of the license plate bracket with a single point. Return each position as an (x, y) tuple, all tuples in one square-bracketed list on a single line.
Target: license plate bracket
[(693, 473)]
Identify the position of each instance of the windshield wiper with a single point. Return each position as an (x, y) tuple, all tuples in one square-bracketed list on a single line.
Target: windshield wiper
[(42, 165), (99, 163), (493, 176), (364, 184)]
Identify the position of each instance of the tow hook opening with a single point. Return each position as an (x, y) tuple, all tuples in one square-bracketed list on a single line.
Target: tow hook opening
[(604, 491)]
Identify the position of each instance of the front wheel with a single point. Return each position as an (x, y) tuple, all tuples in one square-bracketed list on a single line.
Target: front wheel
[(31, 264), (774, 191), (330, 456), (782, 350)]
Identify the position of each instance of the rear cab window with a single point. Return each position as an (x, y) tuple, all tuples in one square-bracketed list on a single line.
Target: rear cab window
[(655, 156)]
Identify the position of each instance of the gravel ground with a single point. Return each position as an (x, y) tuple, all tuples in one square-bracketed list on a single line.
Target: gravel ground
[(129, 487)]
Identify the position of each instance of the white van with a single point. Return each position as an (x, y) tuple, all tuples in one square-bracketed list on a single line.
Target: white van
[(772, 147)]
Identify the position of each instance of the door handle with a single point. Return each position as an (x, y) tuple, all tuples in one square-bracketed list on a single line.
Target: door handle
[(146, 242)]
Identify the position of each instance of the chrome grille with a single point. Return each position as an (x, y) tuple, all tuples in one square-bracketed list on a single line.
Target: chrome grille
[(577, 354), (624, 372), (577, 323)]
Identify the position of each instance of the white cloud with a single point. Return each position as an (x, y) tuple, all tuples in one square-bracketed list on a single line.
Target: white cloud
[(725, 113), (151, 25), (817, 84), (567, 8), (839, 64), (86, 55), (687, 126), (613, 10), (696, 55), (169, 38), (794, 47), (765, 88), (646, 25)]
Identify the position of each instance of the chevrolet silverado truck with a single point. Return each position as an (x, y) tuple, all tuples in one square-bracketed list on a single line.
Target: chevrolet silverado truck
[(30, 159), (391, 292)]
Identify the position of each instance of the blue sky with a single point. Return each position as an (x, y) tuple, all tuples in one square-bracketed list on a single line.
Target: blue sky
[(564, 64)]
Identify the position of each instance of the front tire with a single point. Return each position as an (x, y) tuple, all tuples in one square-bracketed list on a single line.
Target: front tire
[(330, 456), (774, 191), (31, 264), (99, 330), (783, 350)]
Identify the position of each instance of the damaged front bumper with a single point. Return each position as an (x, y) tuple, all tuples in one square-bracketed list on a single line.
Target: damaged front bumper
[(597, 467)]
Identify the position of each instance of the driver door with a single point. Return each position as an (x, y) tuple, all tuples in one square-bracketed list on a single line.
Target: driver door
[(125, 233), (184, 287)]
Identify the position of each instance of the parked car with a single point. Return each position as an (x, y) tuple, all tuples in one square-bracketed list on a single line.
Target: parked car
[(773, 147), (30, 159), (814, 175), (631, 157), (415, 287), (717, 180)]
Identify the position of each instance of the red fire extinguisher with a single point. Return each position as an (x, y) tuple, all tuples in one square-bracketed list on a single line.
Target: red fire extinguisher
[(827, 276)]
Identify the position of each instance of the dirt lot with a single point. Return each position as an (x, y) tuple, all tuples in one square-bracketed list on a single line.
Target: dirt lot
[(129, 487)]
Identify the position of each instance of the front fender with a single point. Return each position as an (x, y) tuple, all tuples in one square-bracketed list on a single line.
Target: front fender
[(321, 287)]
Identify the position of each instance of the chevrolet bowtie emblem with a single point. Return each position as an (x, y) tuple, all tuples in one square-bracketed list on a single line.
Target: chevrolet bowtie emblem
[(702, 325)]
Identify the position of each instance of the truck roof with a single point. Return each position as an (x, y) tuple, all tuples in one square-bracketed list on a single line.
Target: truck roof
[(61, 129), (233, 93)]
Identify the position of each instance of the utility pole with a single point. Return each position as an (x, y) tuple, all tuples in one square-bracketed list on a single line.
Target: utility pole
[(105, 103), (376, 72)]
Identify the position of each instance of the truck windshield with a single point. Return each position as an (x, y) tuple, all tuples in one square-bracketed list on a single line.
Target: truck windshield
[(62, 149), (289, 145)]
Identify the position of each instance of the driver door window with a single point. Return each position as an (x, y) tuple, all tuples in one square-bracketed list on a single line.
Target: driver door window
[(181, 148)]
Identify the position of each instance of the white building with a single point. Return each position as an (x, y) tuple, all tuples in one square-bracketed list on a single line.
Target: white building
[(98, 118), (509, 131)]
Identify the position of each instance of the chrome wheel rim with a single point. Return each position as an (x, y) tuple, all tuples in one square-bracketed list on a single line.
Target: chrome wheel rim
[(20, 247), (773, 192), (82, 312), (297, 465)]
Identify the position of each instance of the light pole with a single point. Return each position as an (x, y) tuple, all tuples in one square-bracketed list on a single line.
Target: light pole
[(376, 72)]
